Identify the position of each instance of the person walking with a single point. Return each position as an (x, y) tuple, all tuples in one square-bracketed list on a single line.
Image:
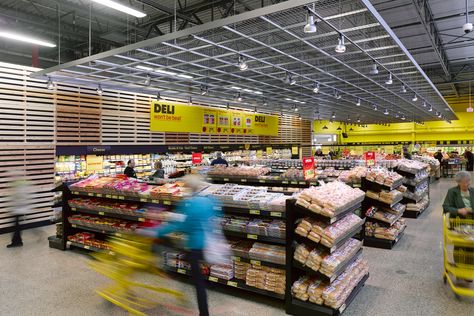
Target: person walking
[(129, 171), (469, 159), (198, 213)]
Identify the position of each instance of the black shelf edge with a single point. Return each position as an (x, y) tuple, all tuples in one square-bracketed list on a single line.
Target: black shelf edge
[(376, 220), (257, 262), (382, 243), (100, 231), (91, 248), (324, 218), (367, 184), (307, 308), (339, 243), (407, 173), (251, 212), (336, 273), (272, 240), (109, 214), (378, 202), (409, 185), (235, 283)]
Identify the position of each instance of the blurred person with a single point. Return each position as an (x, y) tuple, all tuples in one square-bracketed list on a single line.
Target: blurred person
[(458, 203), (159, 171), (219, 160), (439, 155), (319, 153), (470, 159), (18, 197), (406, 153), (129, 171), (198, 213)]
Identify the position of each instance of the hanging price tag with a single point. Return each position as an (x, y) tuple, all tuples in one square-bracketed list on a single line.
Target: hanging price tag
[(308, 168), (182, 271), (369, 158), (213, 279), (232, 283), (197, 158)]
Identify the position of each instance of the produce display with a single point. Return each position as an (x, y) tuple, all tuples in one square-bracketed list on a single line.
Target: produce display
[(330, 199), (265, 278), (104, 223), (88, 239), (324, 262), (384, 177), (328, 235), (334, 294), (379, 231)]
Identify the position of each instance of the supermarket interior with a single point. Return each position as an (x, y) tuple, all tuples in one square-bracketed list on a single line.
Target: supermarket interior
[(236, 157)]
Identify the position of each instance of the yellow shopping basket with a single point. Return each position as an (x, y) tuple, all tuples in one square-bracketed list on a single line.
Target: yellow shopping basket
[(458, 253), (132, 267)]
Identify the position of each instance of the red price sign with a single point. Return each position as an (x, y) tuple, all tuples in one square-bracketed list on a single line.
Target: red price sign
[(369, 158), (197, 158), (308, 168)]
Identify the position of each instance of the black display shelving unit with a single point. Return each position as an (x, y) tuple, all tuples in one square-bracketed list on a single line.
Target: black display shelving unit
[(371, 241), (412, 184), (294, 269), (262, 181)]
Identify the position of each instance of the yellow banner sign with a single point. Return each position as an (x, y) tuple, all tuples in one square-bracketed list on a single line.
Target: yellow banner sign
[(168, 116), (94, 163)]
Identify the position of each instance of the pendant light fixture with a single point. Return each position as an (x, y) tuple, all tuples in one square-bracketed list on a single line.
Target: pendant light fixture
[(415, 98), (242, 63), (238, 97), (386, 112), (404, 89), (424, 104), (50, 84), (333, 115), (374, 70), (375, 108), (310, 26), (340, 47), (265, 103), (289, 79), (339, 128), (403, 117), (204, 90), (389, 80), (316, 87), (325, 127), (147, 80), (430, 109), (99, 90), (358, 102)]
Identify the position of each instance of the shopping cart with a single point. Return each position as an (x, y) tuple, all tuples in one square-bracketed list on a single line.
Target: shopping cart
[(137, 282), (458, 254)]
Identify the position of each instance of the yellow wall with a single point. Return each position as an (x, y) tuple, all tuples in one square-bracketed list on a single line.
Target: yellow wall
[(462, 129)]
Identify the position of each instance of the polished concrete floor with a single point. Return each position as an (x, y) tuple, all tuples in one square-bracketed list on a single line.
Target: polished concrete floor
[(37, 280)]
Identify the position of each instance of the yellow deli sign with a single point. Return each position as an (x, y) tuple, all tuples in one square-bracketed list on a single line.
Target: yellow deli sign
[(178, 117)]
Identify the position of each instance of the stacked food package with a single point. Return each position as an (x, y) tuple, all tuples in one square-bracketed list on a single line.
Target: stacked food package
[(387, 197), (88, 239), (420, 206), (332, 295), (411, 166), (384, 177), (242, 171), (382, 232), (329, 200), (354, 175), (222, 271), (240, 270), (257, 226), (266, 278), (103, 223)]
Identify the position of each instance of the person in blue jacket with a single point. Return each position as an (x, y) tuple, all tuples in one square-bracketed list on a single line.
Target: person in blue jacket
[(198, 212)]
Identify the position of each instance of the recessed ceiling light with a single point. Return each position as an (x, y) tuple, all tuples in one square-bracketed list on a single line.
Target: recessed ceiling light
[(120, 7)]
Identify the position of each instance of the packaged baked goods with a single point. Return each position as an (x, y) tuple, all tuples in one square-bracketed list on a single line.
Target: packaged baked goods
[(267, 252)]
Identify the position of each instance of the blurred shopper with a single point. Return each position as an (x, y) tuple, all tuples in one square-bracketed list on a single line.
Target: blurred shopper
[(458, 203), (406, 153), (319, 153), (439, 156), (18, 197), (219, 160), (469, 159), (129, 170), (197, 225), (159, 171)]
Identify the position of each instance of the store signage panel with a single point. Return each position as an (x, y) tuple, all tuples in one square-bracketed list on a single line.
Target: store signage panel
[(168, 116), (369, 158), (308, 168), (98, 150), (196, 158)]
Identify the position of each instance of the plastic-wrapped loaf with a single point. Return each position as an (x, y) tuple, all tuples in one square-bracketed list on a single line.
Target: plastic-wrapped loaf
[(301, 253), (304, 226), (222, 271), (334, 232), (299, 289), (315, 292), (333, 261), (266, 252), (240, 270), (315, 258)]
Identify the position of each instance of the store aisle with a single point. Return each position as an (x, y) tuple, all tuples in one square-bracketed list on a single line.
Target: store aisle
[(37, 280)]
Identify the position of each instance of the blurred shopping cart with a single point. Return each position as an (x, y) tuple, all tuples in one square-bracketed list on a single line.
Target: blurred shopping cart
[(458, 254), (138, 285)]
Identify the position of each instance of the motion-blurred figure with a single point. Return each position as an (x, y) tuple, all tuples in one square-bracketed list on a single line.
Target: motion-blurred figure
[(469, 159), (219, 160), (198, 226), (18, 202)]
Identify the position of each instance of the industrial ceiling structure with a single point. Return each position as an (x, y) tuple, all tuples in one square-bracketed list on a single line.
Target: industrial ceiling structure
[(251, 54)]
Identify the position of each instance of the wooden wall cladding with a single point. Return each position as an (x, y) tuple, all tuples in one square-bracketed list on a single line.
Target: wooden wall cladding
[(33, 120)]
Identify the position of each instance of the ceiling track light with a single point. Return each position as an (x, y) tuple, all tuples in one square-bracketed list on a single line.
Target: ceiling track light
[(243, 63), (415, 98), (238, 97), (374, 70), (340, 47), (389, 80), (50, 84), (204, 90), (289, 79), (147, 80), (404, 89), (99, 90), (316, 87), (358, 102), (386, 112), (310, 26)]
